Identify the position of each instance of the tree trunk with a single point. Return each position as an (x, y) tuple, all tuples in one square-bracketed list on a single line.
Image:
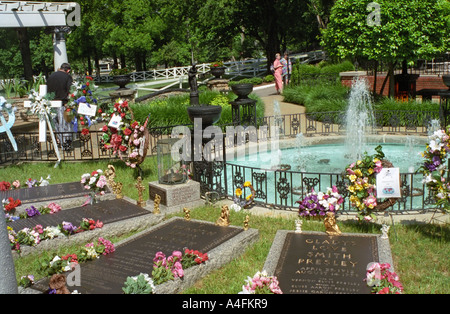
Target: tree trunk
[(24, 45), (391, 80), (375, 72)]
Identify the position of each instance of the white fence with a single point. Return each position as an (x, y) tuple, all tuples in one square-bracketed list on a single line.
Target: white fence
[(246, 68)]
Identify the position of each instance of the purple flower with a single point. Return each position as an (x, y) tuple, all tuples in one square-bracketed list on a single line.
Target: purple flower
[(68, 227), (31, 212)]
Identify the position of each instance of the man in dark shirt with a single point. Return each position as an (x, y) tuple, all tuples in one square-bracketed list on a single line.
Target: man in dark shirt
[(60, 83)]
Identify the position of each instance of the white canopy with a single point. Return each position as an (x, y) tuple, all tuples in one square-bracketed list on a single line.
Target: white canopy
[(35, 14)]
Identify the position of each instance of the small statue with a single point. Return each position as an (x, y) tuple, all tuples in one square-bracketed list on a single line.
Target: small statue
[(118, 190), (246, 221), (224, 219), (157, 201), (110, 175), (330, 225), (385, 231), (140, 189), (298, 225), (193, 78), (57, 284), (187, 214)]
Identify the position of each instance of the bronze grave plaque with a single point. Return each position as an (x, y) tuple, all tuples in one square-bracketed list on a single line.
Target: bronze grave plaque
[(105, 211), (322, 264), (108, 274), (46, 193)]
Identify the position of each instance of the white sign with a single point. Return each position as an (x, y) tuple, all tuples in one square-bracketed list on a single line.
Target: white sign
[(115, 122), (87, 110), (388, 183)]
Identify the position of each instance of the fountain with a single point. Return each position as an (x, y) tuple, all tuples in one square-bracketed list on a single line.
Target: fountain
[(359, 119)]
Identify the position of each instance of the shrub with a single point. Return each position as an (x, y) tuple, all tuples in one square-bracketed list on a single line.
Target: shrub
[(269, 78), (172, 111)]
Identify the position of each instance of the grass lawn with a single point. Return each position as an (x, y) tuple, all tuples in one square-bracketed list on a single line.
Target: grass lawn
[(420, 252)]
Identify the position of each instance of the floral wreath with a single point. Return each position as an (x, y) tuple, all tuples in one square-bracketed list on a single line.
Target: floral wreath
[(82, 92), (129, 138), (362, 187), (249, 199), (435, 167), (319, 204)]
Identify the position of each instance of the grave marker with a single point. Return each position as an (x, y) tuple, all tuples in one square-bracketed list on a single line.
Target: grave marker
[(133, 256), (316, 263)]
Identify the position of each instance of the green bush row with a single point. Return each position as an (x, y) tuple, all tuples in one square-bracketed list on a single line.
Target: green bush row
[(304, 73), (172, 111), (327, 98)]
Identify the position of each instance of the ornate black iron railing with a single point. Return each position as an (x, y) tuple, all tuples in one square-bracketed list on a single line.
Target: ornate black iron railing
[(280, 189)]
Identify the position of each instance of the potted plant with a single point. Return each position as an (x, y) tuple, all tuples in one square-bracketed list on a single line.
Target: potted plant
[(446, 79), (121, 77), (217, 69)]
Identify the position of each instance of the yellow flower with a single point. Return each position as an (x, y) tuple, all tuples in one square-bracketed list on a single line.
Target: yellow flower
[(358, 172), (351, 188), (359, 162), (249, 197), (370, 170), (247, 184), (238, 192), (376, 160), (352, 177)]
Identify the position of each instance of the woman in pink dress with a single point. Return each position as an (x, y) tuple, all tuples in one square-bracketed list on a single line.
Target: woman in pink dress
[(278, 73)]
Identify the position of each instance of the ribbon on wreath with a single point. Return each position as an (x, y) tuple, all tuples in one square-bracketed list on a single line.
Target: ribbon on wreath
[(6, 126), (41, 106)]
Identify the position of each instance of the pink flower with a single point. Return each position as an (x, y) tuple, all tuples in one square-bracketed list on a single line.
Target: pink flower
[(16, 184), (54, 208)]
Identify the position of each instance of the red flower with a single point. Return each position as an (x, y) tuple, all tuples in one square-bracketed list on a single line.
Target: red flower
[(5, 186), (87, 83), (85, 131), (100, 111), (134, 125), (127, 132), (84, 91), (105, 128), (123, 148)]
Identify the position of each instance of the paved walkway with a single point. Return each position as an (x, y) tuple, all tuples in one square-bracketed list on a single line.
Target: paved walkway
[(269, 95)]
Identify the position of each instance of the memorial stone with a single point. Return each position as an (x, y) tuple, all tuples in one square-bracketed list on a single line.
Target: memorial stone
[(46, 193), (316, 263), (106, 211), (108, 274)]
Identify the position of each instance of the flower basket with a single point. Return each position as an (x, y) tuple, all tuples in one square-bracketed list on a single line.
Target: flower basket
[(121, 80)]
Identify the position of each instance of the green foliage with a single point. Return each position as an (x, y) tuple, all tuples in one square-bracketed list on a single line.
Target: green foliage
[(269, 78), (408, 30), (309, 74), (137, 285), (172, 111)]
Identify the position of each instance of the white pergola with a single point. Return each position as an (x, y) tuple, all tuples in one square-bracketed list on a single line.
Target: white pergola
[(14, 14)]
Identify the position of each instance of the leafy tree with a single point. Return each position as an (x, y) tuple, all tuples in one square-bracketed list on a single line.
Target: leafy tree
[(407, 30)]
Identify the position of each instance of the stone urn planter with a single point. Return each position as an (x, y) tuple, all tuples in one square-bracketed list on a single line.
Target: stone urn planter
[(242, 90), (217, 72), (446, 79), (208, 114), (121, 80)]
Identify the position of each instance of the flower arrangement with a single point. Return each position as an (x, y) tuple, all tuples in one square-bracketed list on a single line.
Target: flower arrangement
[(319, 204), (128, 138), (169, 268), (362, 187), (82, 92), (435, 167), (10, 205), (41, 105), (31, 183), (261, 283), (95, 182), (382, 280), (217, 64), (192, 258), (249, 199), (34, 236), (60, 264), (5, 186), (26, 281), (141, 284)]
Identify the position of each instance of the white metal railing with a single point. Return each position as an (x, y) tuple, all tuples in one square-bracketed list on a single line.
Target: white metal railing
[(245, 68)]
